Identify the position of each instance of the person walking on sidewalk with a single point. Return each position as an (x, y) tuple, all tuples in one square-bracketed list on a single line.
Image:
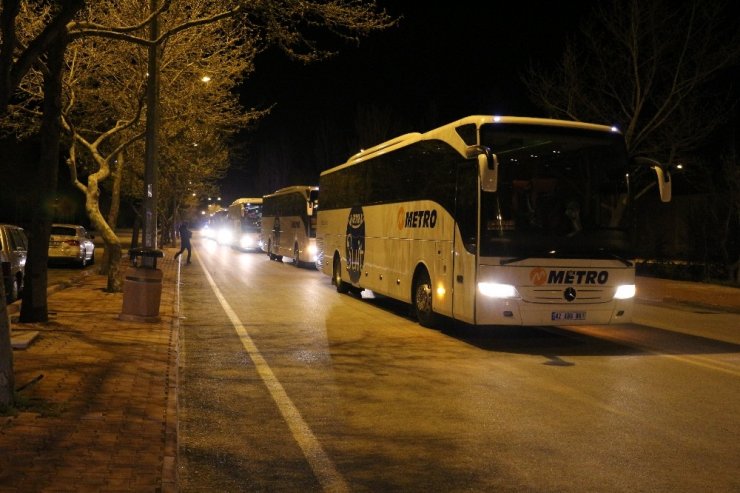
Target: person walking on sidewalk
[(185, 235)]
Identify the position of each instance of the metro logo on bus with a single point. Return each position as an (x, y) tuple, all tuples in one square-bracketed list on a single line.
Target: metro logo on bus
[(417, 219), (356, 219), (540, 276), (401, 218)]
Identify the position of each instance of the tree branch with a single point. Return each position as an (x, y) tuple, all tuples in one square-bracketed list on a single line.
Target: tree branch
[(36, 48)]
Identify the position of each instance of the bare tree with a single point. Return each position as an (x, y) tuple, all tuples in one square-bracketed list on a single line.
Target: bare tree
[(647, 66), (17, 59), (284, 23), (200, 40), (15, 62), (657, 69), (199, 67), (715, 212)]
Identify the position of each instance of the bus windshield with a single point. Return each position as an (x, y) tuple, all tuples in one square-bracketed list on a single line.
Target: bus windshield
[(561, 193), (251, 221)]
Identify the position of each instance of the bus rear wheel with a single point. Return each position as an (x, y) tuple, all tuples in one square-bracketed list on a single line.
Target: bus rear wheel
[(342, 286), (273, 256), (423, 300)]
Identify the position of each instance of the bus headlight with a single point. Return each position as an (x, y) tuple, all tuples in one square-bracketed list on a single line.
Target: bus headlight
[(224, 236), (247, 241), (625, 292), (496, 290)]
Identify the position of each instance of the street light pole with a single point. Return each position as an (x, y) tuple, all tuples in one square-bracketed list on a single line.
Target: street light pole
[(151, 168), (142, 285)]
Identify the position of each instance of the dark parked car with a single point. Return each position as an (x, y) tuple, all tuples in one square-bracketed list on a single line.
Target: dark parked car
[(13, 254)]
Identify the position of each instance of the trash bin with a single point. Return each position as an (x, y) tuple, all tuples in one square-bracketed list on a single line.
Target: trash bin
[(142, 286)]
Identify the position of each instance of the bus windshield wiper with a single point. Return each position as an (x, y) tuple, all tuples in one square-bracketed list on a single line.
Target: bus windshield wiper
[(625, 261), (519, 259), (552, 253)]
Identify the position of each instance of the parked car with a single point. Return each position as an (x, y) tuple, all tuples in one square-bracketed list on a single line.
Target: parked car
[(71, 243), (13, 254)]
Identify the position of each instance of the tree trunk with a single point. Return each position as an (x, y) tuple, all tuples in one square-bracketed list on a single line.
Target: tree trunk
[(34, 307), (618, 211), (115, 205), (115, 273), (7, 377), (112, 243), (115, 199)]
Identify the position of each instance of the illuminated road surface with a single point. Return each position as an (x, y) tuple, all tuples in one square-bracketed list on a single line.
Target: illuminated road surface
[(285, 385)]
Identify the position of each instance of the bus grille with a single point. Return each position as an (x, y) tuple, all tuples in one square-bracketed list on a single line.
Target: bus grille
[(556, 295)]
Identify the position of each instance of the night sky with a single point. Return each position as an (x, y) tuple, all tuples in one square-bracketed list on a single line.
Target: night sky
[(443, 62)]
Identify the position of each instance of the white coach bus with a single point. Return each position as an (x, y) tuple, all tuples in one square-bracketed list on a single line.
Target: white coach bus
[(244, 223), (487, 220), (289, 224)]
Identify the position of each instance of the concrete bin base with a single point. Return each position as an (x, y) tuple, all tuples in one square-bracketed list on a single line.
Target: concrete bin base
[(142, 292)]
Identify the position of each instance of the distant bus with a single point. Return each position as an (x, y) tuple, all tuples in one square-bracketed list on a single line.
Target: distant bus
[(245, 223), (217, 227), (487, 220), (289, 224)]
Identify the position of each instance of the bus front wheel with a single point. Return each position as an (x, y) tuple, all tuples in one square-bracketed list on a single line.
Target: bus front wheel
[(342, 286), (423, 300)]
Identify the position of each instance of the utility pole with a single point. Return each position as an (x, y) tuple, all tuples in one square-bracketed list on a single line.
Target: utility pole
[(142, 283), (151, 165)]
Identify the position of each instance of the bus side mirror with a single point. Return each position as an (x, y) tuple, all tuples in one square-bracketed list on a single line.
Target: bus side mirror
[(664, 183), (663, 176), (487, 167)]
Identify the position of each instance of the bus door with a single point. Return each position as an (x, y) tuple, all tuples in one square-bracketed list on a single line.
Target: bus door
[(465, 242)]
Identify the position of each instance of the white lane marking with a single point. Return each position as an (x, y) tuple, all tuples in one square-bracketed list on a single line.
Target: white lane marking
[(322, 466)]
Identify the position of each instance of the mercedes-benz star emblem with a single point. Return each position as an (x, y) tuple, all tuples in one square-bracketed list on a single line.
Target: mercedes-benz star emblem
[(569, 294)]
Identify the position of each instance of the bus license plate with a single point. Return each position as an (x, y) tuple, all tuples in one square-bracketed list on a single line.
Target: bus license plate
[(568, 315)]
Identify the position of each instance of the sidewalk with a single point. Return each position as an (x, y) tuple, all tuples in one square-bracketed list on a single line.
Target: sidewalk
[(101, 396), (102, 393), (650, 289)]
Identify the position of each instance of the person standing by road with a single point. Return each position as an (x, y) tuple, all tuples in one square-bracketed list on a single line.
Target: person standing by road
[(185, 235)]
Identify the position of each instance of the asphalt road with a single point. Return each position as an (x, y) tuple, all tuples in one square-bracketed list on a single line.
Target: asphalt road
[(285, 385)]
